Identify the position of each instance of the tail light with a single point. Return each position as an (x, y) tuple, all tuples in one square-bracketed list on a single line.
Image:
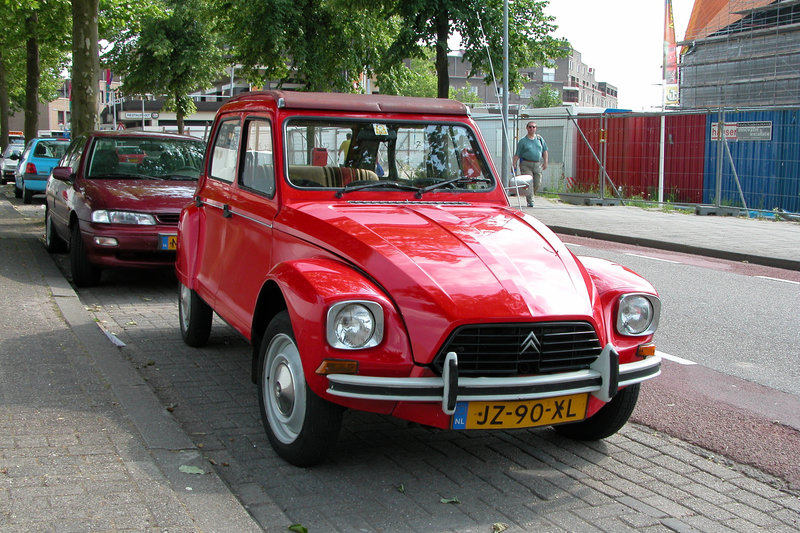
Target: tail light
[(30, 168)]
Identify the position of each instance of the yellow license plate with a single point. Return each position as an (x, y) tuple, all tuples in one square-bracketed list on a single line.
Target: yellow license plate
[(168, 242), (520, 414)]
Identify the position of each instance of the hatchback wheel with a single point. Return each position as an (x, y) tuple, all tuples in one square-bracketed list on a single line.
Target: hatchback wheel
[(27, 195), (17, 191), (301, 426), (195, 317), (608, 420), (84, 274)]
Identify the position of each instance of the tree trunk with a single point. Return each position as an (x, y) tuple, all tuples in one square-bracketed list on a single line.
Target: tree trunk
[(32, 76), (442, 73), (85, 66), (180, 113), (3, 104)]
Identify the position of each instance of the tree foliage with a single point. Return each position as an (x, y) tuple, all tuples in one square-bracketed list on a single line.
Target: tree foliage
[(430, 24), (34, 49), (315, 45), (177, 52), (546, 97)]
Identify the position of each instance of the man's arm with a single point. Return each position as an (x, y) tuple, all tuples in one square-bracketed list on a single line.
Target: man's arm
[(544, 160)]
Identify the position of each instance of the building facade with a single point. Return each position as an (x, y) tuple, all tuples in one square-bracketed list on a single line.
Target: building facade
[(573, 79), (741, 53)]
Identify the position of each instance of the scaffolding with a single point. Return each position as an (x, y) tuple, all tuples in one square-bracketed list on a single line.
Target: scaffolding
[(745, 54)]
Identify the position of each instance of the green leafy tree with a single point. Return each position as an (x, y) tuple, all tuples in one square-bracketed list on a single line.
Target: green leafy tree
[(546, 97), (177, 52), (36, 38), (316, 45), (465, 95), (414, 77), (429, 24)]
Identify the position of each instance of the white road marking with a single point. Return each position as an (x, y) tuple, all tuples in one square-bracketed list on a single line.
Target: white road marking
[(654, 258), (779, 279), (675, 358)]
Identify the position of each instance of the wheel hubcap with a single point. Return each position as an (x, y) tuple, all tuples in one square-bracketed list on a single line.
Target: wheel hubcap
[(283, 390), (186, 306)]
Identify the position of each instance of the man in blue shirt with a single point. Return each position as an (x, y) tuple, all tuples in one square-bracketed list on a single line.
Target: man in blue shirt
[(531, 155)]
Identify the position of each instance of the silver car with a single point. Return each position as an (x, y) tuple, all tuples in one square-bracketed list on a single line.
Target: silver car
[(9, 162)]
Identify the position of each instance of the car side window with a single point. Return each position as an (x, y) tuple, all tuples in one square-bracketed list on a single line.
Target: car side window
[(258, 170), (72, 157), (223, 153)]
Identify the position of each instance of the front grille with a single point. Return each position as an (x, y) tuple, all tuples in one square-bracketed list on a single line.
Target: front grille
[(170, 219), (521, 349)]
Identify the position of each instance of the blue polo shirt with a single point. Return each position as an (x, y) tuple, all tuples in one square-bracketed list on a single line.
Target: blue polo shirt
[(531, 149)]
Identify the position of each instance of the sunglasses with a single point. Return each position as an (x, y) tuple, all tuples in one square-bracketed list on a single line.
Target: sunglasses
[(529, 127)]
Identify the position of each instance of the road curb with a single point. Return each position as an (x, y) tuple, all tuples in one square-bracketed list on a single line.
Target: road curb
[(787, 264), (206, 498)]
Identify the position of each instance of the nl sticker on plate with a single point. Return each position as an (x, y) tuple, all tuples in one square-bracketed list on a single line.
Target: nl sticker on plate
[(380, 129)]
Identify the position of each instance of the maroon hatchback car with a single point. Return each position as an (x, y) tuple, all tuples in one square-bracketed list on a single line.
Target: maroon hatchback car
[(113, 211)]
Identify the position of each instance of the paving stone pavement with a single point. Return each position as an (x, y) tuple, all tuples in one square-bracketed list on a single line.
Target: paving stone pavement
[(383, 476)]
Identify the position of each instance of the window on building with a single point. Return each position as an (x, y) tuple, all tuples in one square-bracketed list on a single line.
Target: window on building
[(548, 74)]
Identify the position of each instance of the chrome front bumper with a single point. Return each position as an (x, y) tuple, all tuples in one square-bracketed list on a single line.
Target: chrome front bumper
[(602, 379)]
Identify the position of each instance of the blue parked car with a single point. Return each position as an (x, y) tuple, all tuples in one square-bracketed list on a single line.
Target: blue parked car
[(41, 155)]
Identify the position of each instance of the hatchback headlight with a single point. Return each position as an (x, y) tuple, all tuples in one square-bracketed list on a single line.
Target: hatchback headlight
[(637, 314), (354, 325), (123, 217)]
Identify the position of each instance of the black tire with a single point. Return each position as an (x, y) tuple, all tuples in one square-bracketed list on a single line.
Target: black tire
[(301, 426), (84, 274), (52, 242), (27, 196), (195, 317), (17, 191), (607, 421)]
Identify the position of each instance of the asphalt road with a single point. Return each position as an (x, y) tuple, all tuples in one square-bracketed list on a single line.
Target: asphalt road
[(738, 323)]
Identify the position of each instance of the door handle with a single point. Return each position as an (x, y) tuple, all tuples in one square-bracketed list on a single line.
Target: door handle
[(226, 211)]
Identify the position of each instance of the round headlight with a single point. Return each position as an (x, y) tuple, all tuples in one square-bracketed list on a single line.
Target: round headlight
[(635, 315), (353, 325)]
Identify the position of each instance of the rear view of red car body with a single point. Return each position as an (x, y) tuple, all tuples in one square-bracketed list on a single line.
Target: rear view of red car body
[(399, 281)]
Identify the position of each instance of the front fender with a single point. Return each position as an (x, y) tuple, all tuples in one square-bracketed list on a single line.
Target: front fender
[(187, 246), (309, 288), (611, 281)]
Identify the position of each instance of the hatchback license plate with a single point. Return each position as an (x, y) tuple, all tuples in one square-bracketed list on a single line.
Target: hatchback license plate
[(168, 242), (520, 414)]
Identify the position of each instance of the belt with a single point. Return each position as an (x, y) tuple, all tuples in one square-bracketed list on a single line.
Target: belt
[(530, 160)]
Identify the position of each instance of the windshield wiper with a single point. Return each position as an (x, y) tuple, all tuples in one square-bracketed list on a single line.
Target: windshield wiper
[(445, 183), (376, 185)]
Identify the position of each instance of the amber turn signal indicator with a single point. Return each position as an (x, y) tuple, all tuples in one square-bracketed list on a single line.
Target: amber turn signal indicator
[(337, 366), (646, 350)]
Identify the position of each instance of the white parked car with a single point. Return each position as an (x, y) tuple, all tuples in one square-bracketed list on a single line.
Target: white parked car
[(8, 165)]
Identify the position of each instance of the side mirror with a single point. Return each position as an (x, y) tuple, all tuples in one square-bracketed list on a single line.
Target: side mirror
[(64, 174)]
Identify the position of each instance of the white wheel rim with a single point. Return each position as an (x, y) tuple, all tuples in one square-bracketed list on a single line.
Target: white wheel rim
[(284, 389), (185, 302)]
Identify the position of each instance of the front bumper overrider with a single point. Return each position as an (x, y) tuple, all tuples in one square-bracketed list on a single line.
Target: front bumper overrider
[(603, 378)]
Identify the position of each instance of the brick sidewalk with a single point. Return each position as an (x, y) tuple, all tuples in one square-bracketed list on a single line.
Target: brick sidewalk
[(71, 459)]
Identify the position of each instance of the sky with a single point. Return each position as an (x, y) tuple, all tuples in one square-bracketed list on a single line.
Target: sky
[(623, 41)]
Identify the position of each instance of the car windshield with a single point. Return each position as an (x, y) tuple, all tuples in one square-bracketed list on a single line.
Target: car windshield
[(146, 158), (385, 155), (13, 149)]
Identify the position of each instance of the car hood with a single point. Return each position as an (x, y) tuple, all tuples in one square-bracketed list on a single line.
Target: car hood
[(446, 265), (138, 195)]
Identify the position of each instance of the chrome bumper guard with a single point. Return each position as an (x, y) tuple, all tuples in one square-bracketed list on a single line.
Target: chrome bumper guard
[(602, 379)]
